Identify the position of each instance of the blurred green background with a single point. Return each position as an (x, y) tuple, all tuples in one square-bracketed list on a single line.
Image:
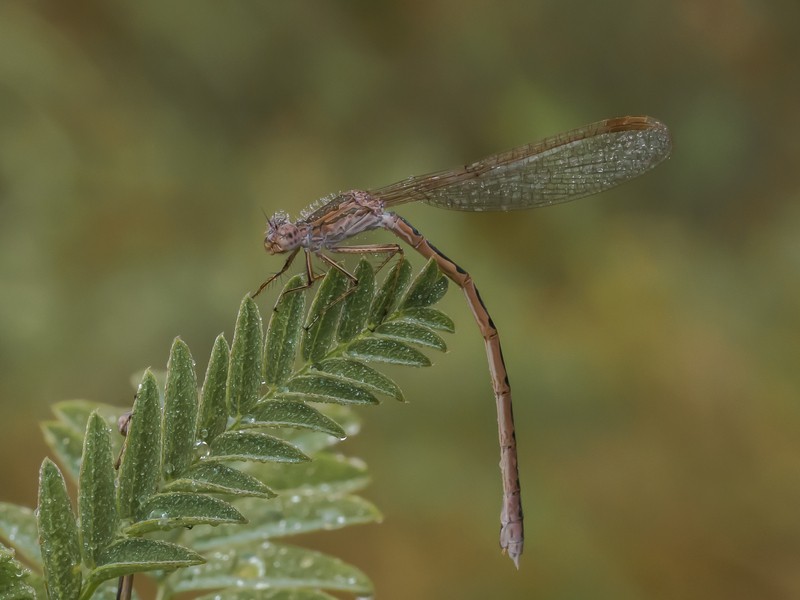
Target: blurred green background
[(651, 334)]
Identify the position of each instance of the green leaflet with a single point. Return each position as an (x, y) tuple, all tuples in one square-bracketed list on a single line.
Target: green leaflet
[(319, 388), (283, 333), (324, 315), (179, 509), (387, 351), (180, 411), (357, 304), (427, 316), (390, 292), (18, 525), (310, 441), (213, 412), (173, 469), (327, 473), (290, 594), (75, 413), (244, 371), (65, 436), (411, 333), (265, 566), (66, 443), (58, 534), (361, 374), (13, 578), (288, 413), (428, 288), (287, 515), (217, 478), (141, 462), (134, 555), (97, 503), (251, 445)]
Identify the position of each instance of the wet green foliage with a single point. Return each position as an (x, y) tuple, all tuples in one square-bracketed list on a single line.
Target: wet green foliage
[(13, 577), (249, 447)]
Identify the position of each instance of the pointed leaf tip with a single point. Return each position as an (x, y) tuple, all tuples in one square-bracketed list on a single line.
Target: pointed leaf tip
[(184, 509), (141, 462), (320, 388), (428, 287), (217, 478), (429, 317), (387, 351), (411, 333), (213, 412), (255, 446), (244, 371), (134, 555), (362, 375), (97, 503), (291, 413), (180, 411), (58, 534)]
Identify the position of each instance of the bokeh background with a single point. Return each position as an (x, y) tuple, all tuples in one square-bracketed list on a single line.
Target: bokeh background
[(651, 333)]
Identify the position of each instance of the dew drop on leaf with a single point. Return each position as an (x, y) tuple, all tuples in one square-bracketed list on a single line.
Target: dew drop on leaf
[(201, 449), (251, 566), (307, 562)]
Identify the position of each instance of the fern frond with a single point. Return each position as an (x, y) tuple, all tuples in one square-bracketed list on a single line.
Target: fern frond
[(251, 445)]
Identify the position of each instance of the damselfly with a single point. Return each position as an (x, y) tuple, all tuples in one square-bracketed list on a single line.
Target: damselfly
[(561, 168)]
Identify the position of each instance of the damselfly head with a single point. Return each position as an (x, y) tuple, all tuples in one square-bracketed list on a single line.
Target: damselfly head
[(282, 235)]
